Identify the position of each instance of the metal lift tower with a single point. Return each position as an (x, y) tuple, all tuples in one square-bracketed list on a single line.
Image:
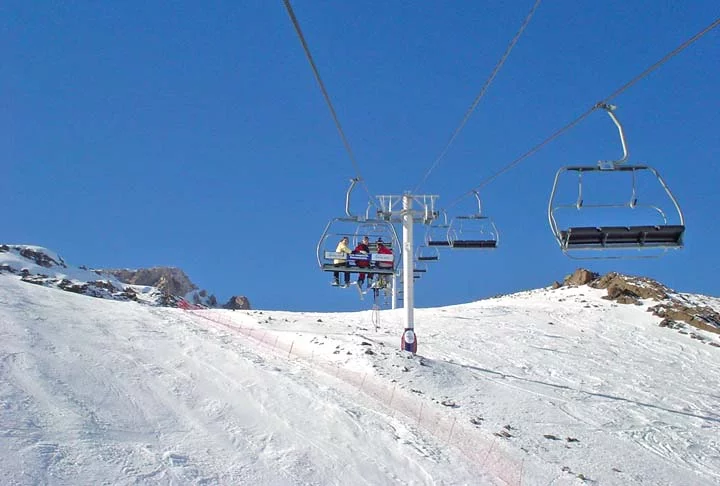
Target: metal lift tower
[(408, 209)]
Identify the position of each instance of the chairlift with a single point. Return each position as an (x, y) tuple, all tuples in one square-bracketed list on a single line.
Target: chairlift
[(426, 253), (419, 268), (354, 228), (436, 235), (473, 231), (616, 224)]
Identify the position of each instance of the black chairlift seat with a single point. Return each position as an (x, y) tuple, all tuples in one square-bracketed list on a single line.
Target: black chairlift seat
[(663, 236), (474, 244), (329, 267), (440, 243), (427, 254), (377, 264)]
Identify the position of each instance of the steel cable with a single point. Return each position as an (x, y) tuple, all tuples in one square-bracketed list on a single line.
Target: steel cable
[(480, 95), (325, 94), (577, 120)]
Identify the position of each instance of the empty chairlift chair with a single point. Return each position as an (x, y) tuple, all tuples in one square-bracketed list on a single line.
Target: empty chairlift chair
[(473, 231), (425, 253), (436, 235), (617, 226)]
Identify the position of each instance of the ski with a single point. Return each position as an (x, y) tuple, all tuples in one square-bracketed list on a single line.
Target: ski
[(360, 291)]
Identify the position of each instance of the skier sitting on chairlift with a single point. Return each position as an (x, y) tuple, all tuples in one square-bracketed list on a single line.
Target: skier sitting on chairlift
[(363, 248), (342, 247), (383, 250), (381, 283)]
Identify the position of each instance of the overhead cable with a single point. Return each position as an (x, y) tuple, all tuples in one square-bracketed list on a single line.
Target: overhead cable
[(584, 115), (480, 95), (340, 130)]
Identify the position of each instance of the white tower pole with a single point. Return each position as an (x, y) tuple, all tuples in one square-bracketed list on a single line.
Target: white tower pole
[(409, 342)]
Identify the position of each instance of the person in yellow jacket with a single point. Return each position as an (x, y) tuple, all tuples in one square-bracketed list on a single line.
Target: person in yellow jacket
[(342, 247)]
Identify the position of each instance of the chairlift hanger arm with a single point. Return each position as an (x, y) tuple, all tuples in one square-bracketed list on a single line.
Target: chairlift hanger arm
[(477, 196), (353, 181), (612, 164)]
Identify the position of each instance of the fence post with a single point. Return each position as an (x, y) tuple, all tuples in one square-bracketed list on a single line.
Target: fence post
[(452, 427)]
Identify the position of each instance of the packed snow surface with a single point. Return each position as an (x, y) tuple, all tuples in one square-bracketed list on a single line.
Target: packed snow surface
[(541, 387)]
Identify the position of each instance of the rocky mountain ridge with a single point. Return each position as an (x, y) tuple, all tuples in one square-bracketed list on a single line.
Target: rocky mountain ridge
[(163, 286), (170, 286), (676, 309), (170, 280)]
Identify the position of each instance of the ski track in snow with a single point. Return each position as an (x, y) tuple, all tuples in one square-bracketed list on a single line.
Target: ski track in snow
[(150, 397), (583, 385), (596, 401)]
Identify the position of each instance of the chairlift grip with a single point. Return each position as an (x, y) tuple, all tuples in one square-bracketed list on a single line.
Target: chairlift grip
[(612, 164), (477, 196), (633, 196), (579, 202), (353, 181)]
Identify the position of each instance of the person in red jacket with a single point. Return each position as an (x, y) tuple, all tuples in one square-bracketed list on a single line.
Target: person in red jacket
[(363, 248), (384, 250), (381, 281)]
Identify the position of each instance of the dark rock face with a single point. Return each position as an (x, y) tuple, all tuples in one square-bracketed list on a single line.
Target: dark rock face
[(203, 298), (40, 258), (99, 288), (237, 302)]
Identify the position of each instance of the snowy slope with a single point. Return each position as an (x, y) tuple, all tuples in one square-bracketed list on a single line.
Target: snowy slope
[(542, 387)]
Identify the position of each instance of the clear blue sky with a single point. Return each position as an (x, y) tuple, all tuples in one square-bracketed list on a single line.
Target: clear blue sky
[(174, 133)]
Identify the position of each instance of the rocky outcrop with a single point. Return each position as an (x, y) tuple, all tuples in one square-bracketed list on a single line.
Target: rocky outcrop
[(237, 302), (618, 285), (203, 298), (97, 288), (580, 276), (163, 286), (174, 284), (672, 307), (700, 317), (41, 258), (170, 280)]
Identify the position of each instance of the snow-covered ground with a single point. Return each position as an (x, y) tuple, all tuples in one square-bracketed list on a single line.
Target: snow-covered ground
[(541, 387)]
